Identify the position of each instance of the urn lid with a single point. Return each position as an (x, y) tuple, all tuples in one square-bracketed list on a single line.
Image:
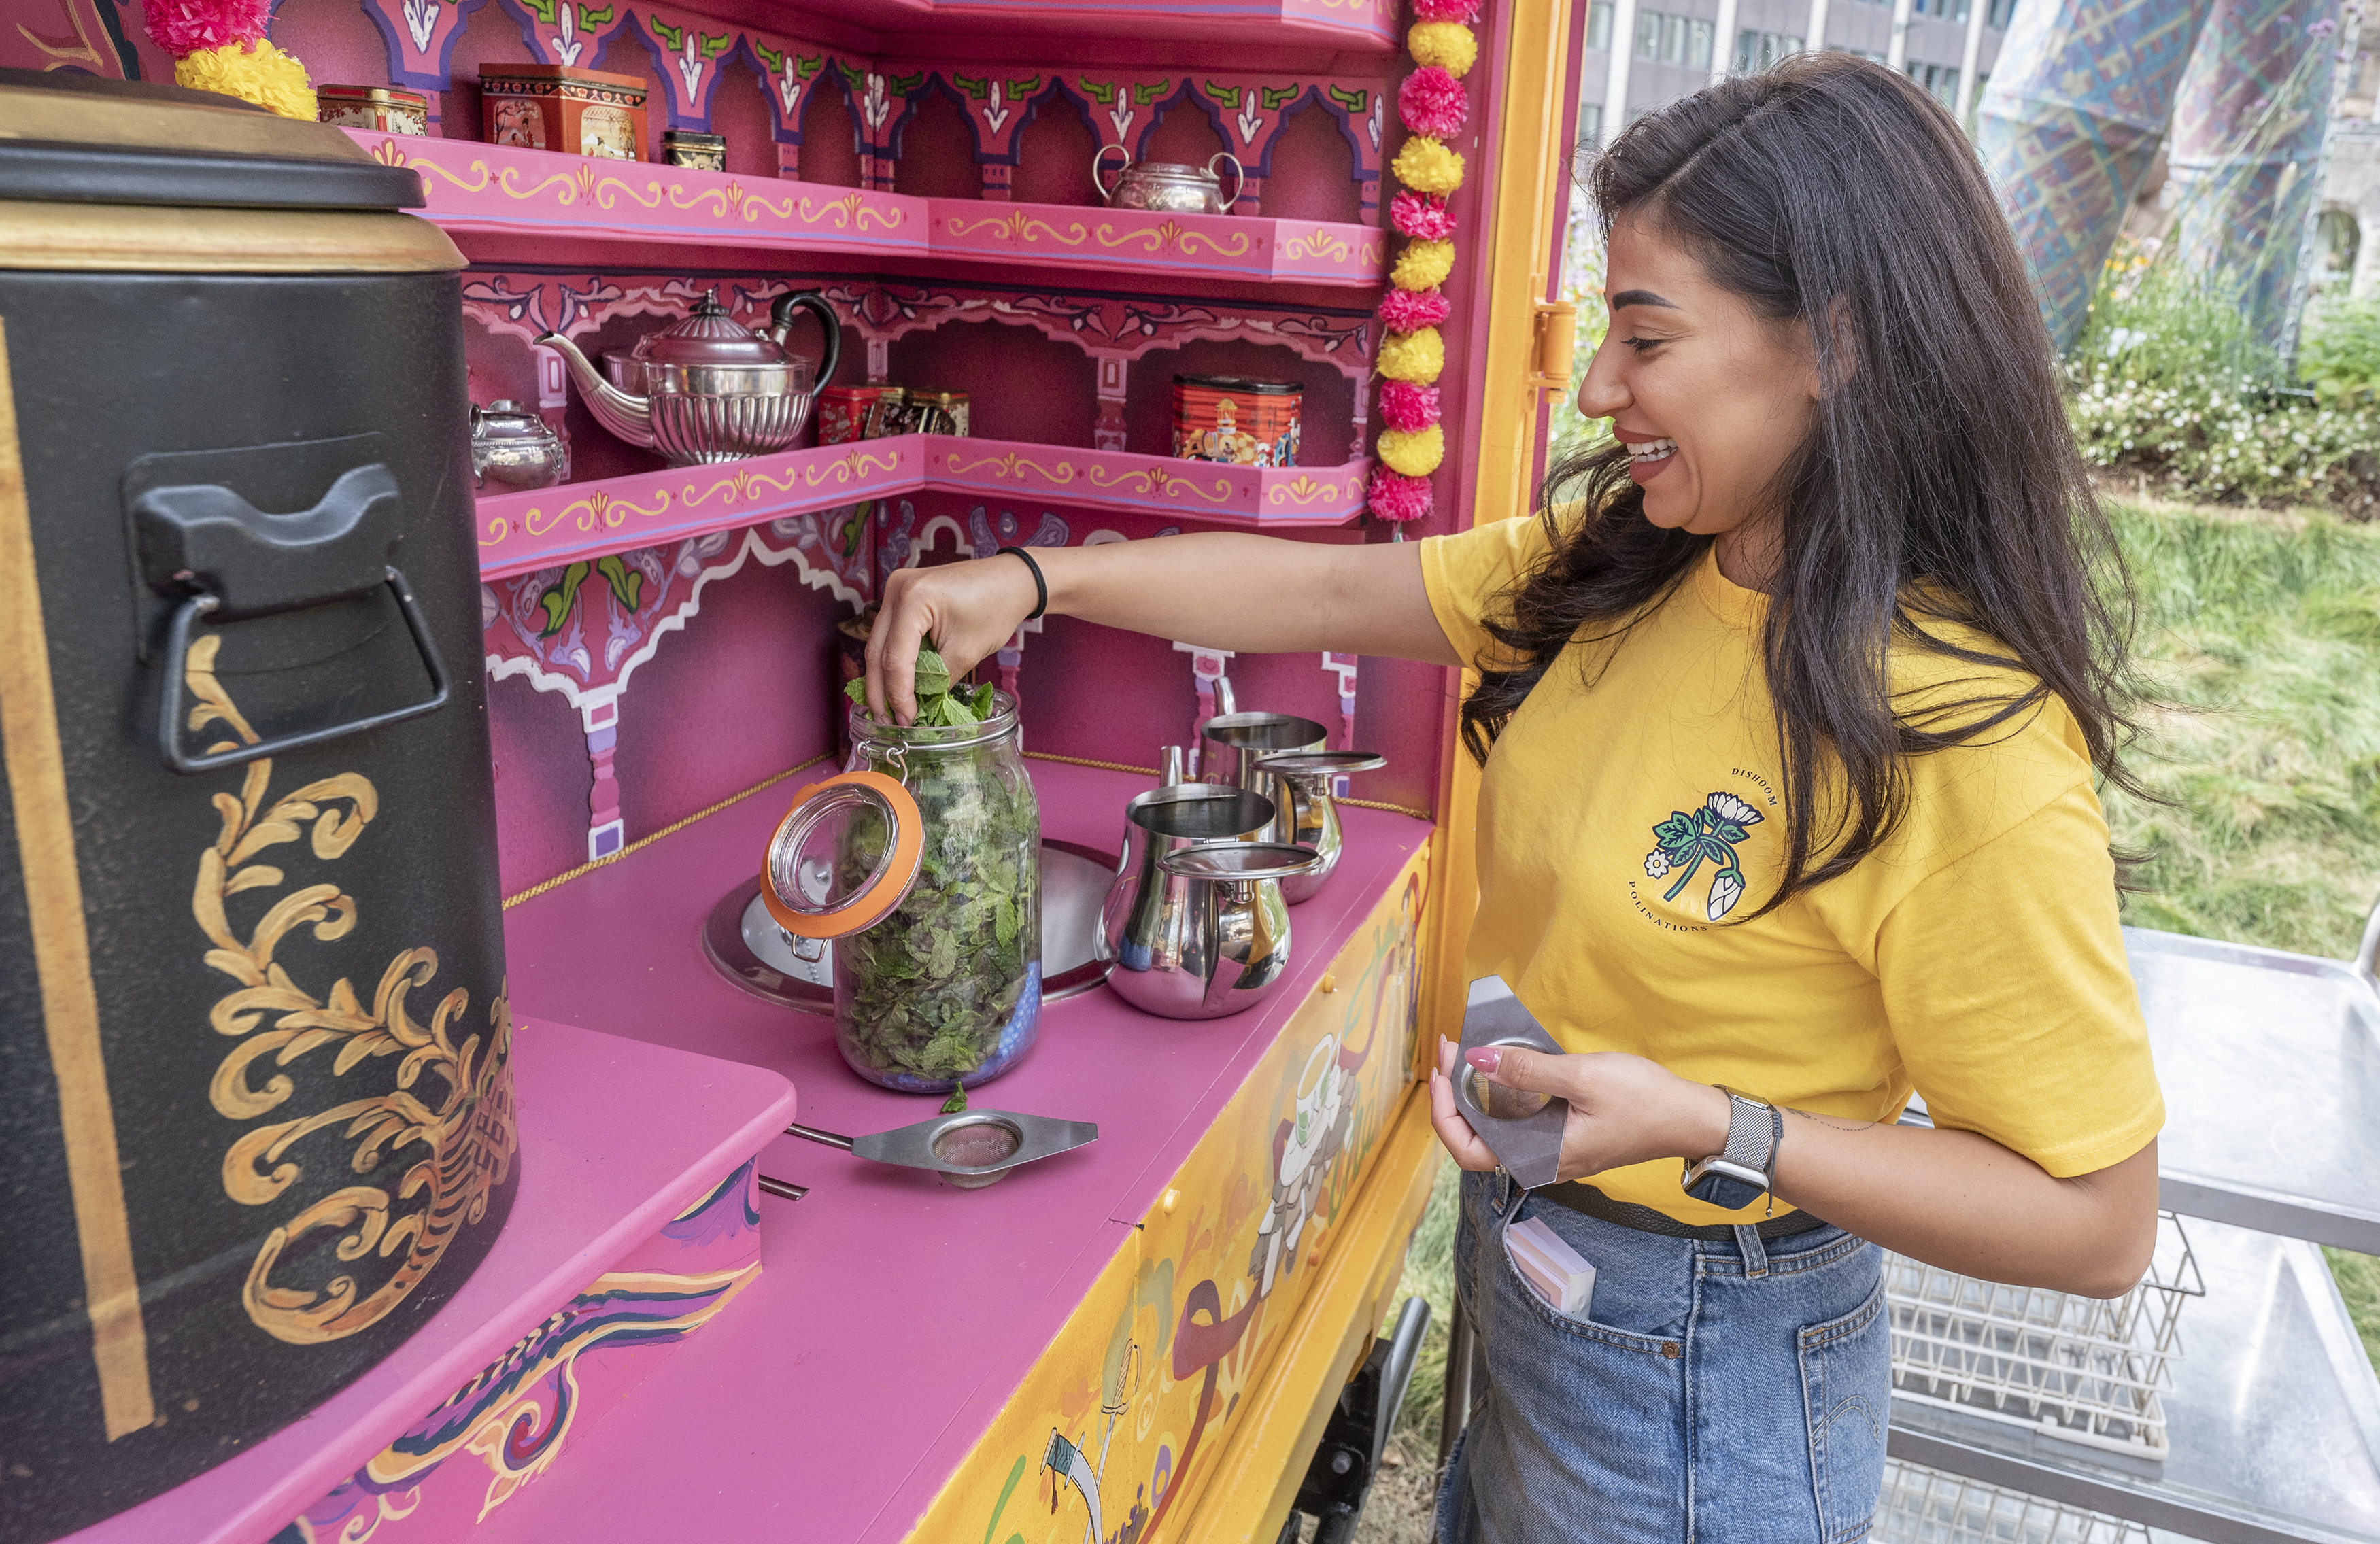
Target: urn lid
[(77, 138), (709, 336)]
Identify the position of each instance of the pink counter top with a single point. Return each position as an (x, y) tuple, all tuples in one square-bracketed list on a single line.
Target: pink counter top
[(894, 1315)]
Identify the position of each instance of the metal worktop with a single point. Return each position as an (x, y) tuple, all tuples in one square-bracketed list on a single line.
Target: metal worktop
[(2270, 1063), (2274, 1416)]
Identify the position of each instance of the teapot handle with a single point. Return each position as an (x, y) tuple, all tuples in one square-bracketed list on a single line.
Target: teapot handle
[(1239, 177), (782, 314), (1098, 163)]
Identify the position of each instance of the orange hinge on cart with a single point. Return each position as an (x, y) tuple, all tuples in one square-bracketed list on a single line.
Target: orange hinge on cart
[(1557, 337)]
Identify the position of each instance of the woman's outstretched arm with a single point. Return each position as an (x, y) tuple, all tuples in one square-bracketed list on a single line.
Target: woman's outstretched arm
[(1256, 594)]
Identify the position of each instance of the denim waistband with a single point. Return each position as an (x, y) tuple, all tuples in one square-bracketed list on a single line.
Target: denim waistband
[(1579, 1196)]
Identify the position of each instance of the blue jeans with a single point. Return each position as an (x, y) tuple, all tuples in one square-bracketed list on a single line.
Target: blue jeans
[(1716, 1393)]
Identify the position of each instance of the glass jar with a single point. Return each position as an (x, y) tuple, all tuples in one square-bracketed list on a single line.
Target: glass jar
[(922, 861)]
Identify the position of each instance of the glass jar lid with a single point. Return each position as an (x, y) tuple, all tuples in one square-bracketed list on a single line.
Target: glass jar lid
[(847, 853)]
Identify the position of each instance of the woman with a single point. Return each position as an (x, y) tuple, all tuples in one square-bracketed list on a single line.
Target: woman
[(1790, 705)]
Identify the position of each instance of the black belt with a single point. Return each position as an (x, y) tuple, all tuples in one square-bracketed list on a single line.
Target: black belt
[(1581, 1197)]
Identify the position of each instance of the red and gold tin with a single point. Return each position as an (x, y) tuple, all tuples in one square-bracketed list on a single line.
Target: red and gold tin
[(579, 112), (844, 412), (1236, 420), (389, 109)]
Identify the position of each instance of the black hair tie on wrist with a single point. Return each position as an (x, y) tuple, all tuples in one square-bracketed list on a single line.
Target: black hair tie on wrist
[(1040, 585)]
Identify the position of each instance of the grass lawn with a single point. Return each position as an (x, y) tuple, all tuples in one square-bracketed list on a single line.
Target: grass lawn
[(2261, 634)]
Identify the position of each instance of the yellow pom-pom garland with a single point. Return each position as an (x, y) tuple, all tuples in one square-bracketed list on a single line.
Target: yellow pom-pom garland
[(1447, 44), (1422, 265), (1417, 454), (1414, 357), (256, 72), (1428, 167)]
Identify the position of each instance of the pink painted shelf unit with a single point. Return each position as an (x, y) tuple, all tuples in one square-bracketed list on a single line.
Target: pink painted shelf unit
[(505, 190), (520, 533)]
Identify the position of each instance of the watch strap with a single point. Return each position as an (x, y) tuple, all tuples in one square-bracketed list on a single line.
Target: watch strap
[(1744, 1169)]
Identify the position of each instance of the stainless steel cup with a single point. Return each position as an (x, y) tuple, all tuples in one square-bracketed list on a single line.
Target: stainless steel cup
[(1308, 816), (1234, 743)]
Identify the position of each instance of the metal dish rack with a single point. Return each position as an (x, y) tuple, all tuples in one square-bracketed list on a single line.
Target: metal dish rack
[(2080, 1370), (1927, 1506)]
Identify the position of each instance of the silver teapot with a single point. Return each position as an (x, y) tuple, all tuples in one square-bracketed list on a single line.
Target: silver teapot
[(1225, 942), (709, 389), (1168, 185), (514, 450), (1308, 815)]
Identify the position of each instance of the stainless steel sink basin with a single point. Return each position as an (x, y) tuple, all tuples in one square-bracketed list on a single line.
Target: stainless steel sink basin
[(743, 940)]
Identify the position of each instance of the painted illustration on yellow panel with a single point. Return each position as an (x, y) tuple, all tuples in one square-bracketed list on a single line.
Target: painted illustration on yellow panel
[(1104, 1441)]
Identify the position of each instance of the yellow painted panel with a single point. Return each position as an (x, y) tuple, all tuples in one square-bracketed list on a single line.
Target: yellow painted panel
[(1115, 1434)]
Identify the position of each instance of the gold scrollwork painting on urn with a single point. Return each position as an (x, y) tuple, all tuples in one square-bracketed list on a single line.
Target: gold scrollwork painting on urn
[(452, 1103)]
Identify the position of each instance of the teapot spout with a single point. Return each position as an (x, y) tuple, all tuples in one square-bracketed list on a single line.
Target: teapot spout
[(630, 417)]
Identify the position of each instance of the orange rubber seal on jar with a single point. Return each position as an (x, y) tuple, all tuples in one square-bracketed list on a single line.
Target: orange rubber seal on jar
[(893, 876)]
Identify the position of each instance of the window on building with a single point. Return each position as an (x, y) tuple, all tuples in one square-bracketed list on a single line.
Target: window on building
[(1948, 10), (1671, 39), (1590, 124), (2336, 239), (1760, 50), (1941, 81), (1598, 24), (2000, 14)]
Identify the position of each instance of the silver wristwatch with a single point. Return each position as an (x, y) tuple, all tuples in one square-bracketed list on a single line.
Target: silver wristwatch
[(1745, 1170)]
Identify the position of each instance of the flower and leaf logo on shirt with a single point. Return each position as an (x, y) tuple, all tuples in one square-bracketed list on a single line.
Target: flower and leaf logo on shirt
[(1687, 840)]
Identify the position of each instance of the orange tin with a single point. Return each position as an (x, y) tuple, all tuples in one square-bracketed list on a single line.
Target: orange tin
[(1237, 420), (579, 112)]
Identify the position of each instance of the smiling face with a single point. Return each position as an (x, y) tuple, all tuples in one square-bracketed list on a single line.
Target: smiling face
[(1711, 397)]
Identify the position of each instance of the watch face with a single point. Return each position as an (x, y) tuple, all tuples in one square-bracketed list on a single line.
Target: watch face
[(1726, 1183)]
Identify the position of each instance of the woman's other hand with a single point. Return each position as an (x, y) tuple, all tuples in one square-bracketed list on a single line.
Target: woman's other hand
[(968, 609), (1623, 1109)]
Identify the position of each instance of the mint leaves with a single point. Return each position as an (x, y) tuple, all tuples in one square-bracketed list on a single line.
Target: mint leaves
[(938, 706)]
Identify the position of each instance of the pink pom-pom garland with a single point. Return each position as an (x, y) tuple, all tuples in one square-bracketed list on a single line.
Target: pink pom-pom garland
[(1465, 11), (1409, 310), (1397, 498), (1431, 101), (1408, 409), (185, 27), (1423, 216)]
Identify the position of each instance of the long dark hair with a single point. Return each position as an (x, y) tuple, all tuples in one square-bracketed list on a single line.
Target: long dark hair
[(1939, 483)]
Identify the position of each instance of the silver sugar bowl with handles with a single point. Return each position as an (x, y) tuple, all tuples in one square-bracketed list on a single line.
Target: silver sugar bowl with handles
[(1168, 185)]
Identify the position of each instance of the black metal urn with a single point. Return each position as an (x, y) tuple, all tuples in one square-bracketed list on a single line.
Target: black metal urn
[(253, 1031)]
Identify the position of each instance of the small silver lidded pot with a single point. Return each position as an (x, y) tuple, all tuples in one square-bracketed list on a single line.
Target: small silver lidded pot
[(514, 450)]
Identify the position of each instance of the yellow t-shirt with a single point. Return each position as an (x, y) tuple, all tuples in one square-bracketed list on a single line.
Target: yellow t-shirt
[(1632, 805)]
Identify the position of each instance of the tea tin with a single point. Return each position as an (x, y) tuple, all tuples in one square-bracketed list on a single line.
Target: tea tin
[(929, 411), (389, 109), (556, 107), (847, 413), (1237, 420), (688, 147)]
